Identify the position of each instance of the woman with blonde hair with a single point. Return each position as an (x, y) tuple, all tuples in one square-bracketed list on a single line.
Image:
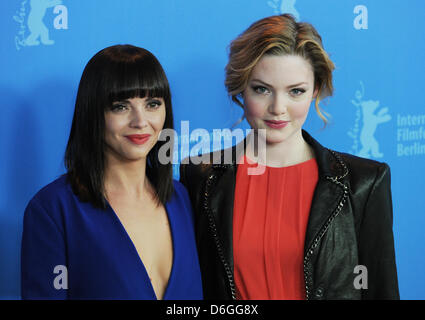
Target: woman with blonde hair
[(316, 224)]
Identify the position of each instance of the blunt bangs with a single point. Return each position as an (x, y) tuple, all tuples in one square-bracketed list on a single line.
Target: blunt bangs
[(130, 74)]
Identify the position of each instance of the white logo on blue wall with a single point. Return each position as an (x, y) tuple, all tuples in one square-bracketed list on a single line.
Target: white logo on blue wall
[(284, 6), (361, 20), (369, 115), (32, 28)]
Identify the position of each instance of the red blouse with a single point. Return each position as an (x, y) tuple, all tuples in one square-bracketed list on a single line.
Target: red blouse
[(270, 218)]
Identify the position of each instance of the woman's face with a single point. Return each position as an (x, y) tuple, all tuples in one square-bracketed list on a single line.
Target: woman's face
[(278, 96), (132, 127)]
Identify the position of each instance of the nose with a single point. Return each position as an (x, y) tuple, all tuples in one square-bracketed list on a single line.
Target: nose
[(278, 104), (138, 119)]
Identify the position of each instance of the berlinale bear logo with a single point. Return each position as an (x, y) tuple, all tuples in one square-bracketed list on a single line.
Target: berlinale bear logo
[(286, 6), (366, 111), (38, 31)]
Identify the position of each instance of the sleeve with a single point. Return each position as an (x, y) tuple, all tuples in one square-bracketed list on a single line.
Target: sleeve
[(43, 258), (376, 240), (183, 193)]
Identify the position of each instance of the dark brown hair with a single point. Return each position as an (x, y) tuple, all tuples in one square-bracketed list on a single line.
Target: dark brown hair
[(115, 73)]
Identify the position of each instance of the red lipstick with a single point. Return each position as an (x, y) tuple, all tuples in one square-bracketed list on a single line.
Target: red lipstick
[(138, 138), (275, 124)]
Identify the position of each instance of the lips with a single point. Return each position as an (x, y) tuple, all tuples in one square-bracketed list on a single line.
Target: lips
[(276, 124), (138, 138)]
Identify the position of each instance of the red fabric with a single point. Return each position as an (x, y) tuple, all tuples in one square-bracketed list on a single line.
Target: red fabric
[(270, 218)]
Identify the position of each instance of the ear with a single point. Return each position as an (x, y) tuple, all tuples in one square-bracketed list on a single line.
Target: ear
[(316, 91)]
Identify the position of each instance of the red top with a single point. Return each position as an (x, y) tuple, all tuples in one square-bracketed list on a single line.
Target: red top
[(270, 217)]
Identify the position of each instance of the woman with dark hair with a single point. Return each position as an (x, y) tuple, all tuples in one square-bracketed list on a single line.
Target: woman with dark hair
[(116, 225), (313, 223)]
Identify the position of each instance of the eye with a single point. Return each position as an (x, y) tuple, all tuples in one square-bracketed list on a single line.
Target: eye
[(154, 104), (260, 89), (297, 91), (118, 107)]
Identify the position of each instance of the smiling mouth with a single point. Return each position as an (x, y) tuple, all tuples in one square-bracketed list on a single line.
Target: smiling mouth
[(276, 124), (138, 139)]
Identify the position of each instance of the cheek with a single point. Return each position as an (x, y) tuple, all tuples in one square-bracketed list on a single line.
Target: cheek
[(113, 124), (254, 108), (158, 120), (300, 110)]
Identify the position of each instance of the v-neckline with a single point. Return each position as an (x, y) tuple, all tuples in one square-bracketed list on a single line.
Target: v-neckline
[(133, 248)]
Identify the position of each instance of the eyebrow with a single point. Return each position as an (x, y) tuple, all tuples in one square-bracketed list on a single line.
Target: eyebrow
[(120, 101), (128, 101), (289, 87), (153, 98)]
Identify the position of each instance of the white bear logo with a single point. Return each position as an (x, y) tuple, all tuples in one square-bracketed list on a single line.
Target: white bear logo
[(35, 22), (371, 120)]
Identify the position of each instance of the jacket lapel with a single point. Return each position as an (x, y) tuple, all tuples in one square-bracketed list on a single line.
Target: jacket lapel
[(329, 193), (326, 197)]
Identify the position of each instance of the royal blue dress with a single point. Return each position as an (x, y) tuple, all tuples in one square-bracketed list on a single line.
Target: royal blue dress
[(100, 258)]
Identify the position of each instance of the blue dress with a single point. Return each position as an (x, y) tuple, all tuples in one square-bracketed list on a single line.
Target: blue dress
[(100, 258)]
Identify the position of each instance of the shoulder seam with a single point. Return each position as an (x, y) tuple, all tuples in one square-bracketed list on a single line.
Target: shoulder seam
[(36, 202)]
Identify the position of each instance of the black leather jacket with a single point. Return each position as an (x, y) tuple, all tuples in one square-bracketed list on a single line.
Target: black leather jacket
[(350, 224)]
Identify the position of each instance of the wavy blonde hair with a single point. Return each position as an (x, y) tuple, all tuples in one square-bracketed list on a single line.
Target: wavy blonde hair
[(278, 35)]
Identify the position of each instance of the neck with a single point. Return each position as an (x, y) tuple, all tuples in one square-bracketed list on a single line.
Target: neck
[(291, 151), (126, 178)]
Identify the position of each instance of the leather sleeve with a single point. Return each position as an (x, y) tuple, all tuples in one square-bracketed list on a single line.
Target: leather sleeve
[(376, 240), (192, 180)]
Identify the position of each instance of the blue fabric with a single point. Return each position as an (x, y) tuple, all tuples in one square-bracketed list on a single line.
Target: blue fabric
[(100, 257)]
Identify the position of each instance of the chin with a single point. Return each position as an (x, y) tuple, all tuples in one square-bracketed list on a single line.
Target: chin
[(278, 137), (275, 137), (133, 156), (275, 140)]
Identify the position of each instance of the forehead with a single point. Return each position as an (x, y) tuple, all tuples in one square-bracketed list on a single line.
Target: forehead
[(283, 70)]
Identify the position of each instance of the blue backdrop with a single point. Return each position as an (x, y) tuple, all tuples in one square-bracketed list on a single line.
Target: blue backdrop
[(377, 110)]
